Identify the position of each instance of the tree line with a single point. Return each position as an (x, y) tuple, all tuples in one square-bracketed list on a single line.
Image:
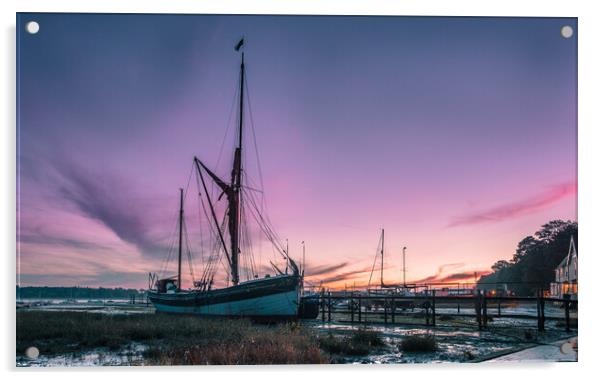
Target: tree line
[(75, 292), (536, 257)]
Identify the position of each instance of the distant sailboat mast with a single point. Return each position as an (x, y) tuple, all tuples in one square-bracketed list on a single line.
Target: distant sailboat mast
[(382, 257), (180, 240)]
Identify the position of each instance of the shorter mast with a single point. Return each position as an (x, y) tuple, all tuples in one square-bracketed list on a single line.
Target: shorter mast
[(180, 240), (303, 270), (382, 256), (404, 266)]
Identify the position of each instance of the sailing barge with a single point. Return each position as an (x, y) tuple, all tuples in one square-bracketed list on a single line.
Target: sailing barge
[(270, 297)]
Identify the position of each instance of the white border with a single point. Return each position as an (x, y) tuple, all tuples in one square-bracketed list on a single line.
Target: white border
[(590, 185)]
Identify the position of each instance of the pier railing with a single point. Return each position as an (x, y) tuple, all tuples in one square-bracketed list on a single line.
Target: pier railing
[(430, 308)]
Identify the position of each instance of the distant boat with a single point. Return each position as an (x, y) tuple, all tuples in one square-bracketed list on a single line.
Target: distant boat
[(270, 297), (405, 290)]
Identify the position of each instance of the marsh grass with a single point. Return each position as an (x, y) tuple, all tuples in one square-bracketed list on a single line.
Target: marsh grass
[(360, 342), (171, 339), (418, 343)]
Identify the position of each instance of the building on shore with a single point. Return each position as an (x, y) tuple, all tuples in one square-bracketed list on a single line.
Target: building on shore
[(566, 275)]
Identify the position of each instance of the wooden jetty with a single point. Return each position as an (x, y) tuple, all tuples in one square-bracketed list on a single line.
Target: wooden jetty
[(364, 308)]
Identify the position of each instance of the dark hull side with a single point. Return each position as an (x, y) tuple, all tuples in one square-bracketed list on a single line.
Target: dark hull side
[(310, 307)]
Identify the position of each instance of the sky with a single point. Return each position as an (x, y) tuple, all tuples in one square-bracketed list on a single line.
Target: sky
[(457, 136)]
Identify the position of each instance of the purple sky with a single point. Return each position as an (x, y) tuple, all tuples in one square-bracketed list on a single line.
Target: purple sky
[(456, 135)]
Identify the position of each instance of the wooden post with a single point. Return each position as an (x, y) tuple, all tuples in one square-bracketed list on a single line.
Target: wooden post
[(485, 309), (393, 311), (385, 308), (434, 309), (538, 305), (329, 307), (323, 306), (543, 311), (499, 306), (477, 304), (567, 315), (541, 318), (352, 304), (359, 309), (427, 310)]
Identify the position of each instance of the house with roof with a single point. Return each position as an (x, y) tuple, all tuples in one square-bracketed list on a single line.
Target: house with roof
[(566, 275)]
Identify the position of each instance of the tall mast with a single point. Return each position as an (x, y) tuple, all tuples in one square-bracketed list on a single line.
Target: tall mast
[(240, 114), (234, 198), (382, 256), (180, 241), (232, 189)]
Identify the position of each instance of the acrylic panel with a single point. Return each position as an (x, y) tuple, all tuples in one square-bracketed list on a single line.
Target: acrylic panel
[(280, 189)]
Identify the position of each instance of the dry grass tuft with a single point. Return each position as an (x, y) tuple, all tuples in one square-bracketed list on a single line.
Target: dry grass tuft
[(418, 343), (361, 342)]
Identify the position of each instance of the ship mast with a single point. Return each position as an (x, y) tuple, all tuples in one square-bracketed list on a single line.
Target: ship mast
[(180, 240), (231, 190), (234, 197)]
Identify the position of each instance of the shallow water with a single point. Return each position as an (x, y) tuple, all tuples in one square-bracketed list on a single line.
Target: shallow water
[(132, 355), (455, 344)]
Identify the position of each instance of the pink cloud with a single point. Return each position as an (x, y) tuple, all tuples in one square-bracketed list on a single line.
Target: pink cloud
[(519, 208), (440, 272)]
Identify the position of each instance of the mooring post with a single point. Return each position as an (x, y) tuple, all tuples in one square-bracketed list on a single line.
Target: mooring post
[(393, 310), (477, 305), (485, 309), (542, 301), (359, 309), (434, 308), (567, 316), (540, 313), (329, 307), (385, 308), (538, 305), (352, 306), (499, 305), (323, 304)]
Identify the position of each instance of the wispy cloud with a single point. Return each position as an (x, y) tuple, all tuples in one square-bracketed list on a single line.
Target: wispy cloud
[(103, 199), (518, 208), (319, 270), (440, 272), (39, 238), (349, 275), (468, 275)]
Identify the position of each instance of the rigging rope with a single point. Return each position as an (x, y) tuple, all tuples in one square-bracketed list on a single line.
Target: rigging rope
[(374, 263)]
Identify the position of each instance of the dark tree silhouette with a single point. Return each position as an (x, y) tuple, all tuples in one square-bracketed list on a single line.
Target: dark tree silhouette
[(532, 266)]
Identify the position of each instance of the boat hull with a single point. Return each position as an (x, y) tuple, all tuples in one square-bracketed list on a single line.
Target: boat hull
[(309, 307), (268, 298)]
